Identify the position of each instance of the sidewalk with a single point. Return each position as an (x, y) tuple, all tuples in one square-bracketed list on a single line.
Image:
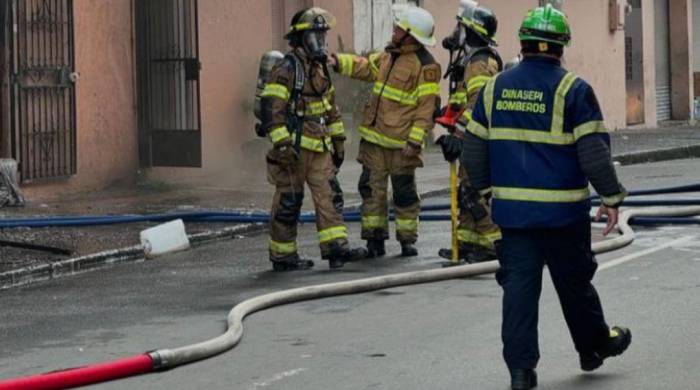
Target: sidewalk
[(629, 147)]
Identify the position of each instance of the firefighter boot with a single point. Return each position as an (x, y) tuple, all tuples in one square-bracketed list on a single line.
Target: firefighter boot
[(408, 249), (339, 255), (464, 250), (375, 248), (291, 263), (523, 379), (620, 338), (481, 254)]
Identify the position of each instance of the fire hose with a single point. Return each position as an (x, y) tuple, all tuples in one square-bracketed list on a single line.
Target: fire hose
[(163, 359), (350, 216)]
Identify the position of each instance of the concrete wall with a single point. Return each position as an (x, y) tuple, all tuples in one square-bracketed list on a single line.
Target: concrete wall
[(106, 113)]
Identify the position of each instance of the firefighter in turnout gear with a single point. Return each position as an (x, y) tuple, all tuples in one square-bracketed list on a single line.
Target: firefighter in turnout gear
[(301, 119), (397, 118), (475, 62), (535, 141)]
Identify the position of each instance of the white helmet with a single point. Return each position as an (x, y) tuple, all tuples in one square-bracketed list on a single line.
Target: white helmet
[(416, 21)]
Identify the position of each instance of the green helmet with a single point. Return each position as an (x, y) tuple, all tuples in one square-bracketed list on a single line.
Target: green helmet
[(546, 24)]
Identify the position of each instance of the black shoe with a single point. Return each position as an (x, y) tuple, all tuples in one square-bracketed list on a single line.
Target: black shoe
[(335, 263), (464, 250), (356, 254), (479, 255), (375, 248), (408, 250), (291, 263), (523, 379), (620, 339), (340, 256)]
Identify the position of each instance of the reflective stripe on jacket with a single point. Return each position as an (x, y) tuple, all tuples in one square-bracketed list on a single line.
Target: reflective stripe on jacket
[(404, 96), (322, 119), (532, 125)]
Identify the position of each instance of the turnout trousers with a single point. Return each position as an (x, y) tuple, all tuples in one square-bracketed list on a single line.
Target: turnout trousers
[(378, 165), (480, 232), (568, 255), (318, 172)]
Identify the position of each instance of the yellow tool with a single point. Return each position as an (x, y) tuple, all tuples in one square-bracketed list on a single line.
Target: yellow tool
[(454, 212)]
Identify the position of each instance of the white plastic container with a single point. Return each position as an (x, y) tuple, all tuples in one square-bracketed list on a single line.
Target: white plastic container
[(166, 238)]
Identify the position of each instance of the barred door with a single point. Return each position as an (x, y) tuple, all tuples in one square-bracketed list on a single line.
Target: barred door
[(42, 96), (168, 83)]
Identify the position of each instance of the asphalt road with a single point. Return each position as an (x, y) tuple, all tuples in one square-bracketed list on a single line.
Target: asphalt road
[(436, 336)]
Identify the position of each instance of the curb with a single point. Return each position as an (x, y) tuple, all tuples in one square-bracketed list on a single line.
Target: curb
[(29, 275), (39, 273), (679, 153)]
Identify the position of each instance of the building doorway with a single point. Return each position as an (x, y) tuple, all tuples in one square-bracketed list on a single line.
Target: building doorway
[(39, 102), (663, 60), (168, 66)]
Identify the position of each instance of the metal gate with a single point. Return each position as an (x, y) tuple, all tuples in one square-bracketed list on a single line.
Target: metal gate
[(168, 83), (42, 93), (662, 56)]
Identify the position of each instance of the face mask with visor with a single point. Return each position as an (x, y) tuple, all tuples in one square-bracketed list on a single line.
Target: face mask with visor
[(314, 43), (457, 39)]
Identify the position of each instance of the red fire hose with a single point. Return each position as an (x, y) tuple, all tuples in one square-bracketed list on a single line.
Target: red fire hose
[(81, 376)]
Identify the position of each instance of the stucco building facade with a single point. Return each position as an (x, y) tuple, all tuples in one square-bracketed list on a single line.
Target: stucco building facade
[(98, 93)]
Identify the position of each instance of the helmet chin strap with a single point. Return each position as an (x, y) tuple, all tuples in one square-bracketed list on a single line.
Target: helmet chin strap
[(403, 38)]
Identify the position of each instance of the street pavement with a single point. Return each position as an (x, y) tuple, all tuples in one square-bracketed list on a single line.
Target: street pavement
[(436, 336), (248, 189)]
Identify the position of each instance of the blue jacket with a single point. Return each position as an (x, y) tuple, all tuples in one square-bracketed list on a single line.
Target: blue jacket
[(532, 116)]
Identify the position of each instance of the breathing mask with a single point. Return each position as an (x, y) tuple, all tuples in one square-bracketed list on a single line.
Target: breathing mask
[(314, 43)]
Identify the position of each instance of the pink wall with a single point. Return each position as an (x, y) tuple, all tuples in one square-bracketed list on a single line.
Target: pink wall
[(106, 114), (592, 45), (342, 10), (598, 56), (230, 47)]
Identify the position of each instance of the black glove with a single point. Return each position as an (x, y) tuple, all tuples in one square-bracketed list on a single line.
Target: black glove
[(451, 147), (338, 159), (338, 154)]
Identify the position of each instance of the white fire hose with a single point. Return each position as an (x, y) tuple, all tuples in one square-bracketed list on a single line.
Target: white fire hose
[(169, 358)]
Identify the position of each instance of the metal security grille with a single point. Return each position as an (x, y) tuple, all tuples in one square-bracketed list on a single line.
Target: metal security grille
[(42, 93), (168, 83)]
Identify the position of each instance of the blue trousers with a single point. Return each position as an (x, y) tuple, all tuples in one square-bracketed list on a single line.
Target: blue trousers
[(567, 253)]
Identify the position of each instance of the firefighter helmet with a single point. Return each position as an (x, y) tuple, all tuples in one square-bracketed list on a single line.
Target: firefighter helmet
[(416, 21), (546, 24), (481, 20)]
